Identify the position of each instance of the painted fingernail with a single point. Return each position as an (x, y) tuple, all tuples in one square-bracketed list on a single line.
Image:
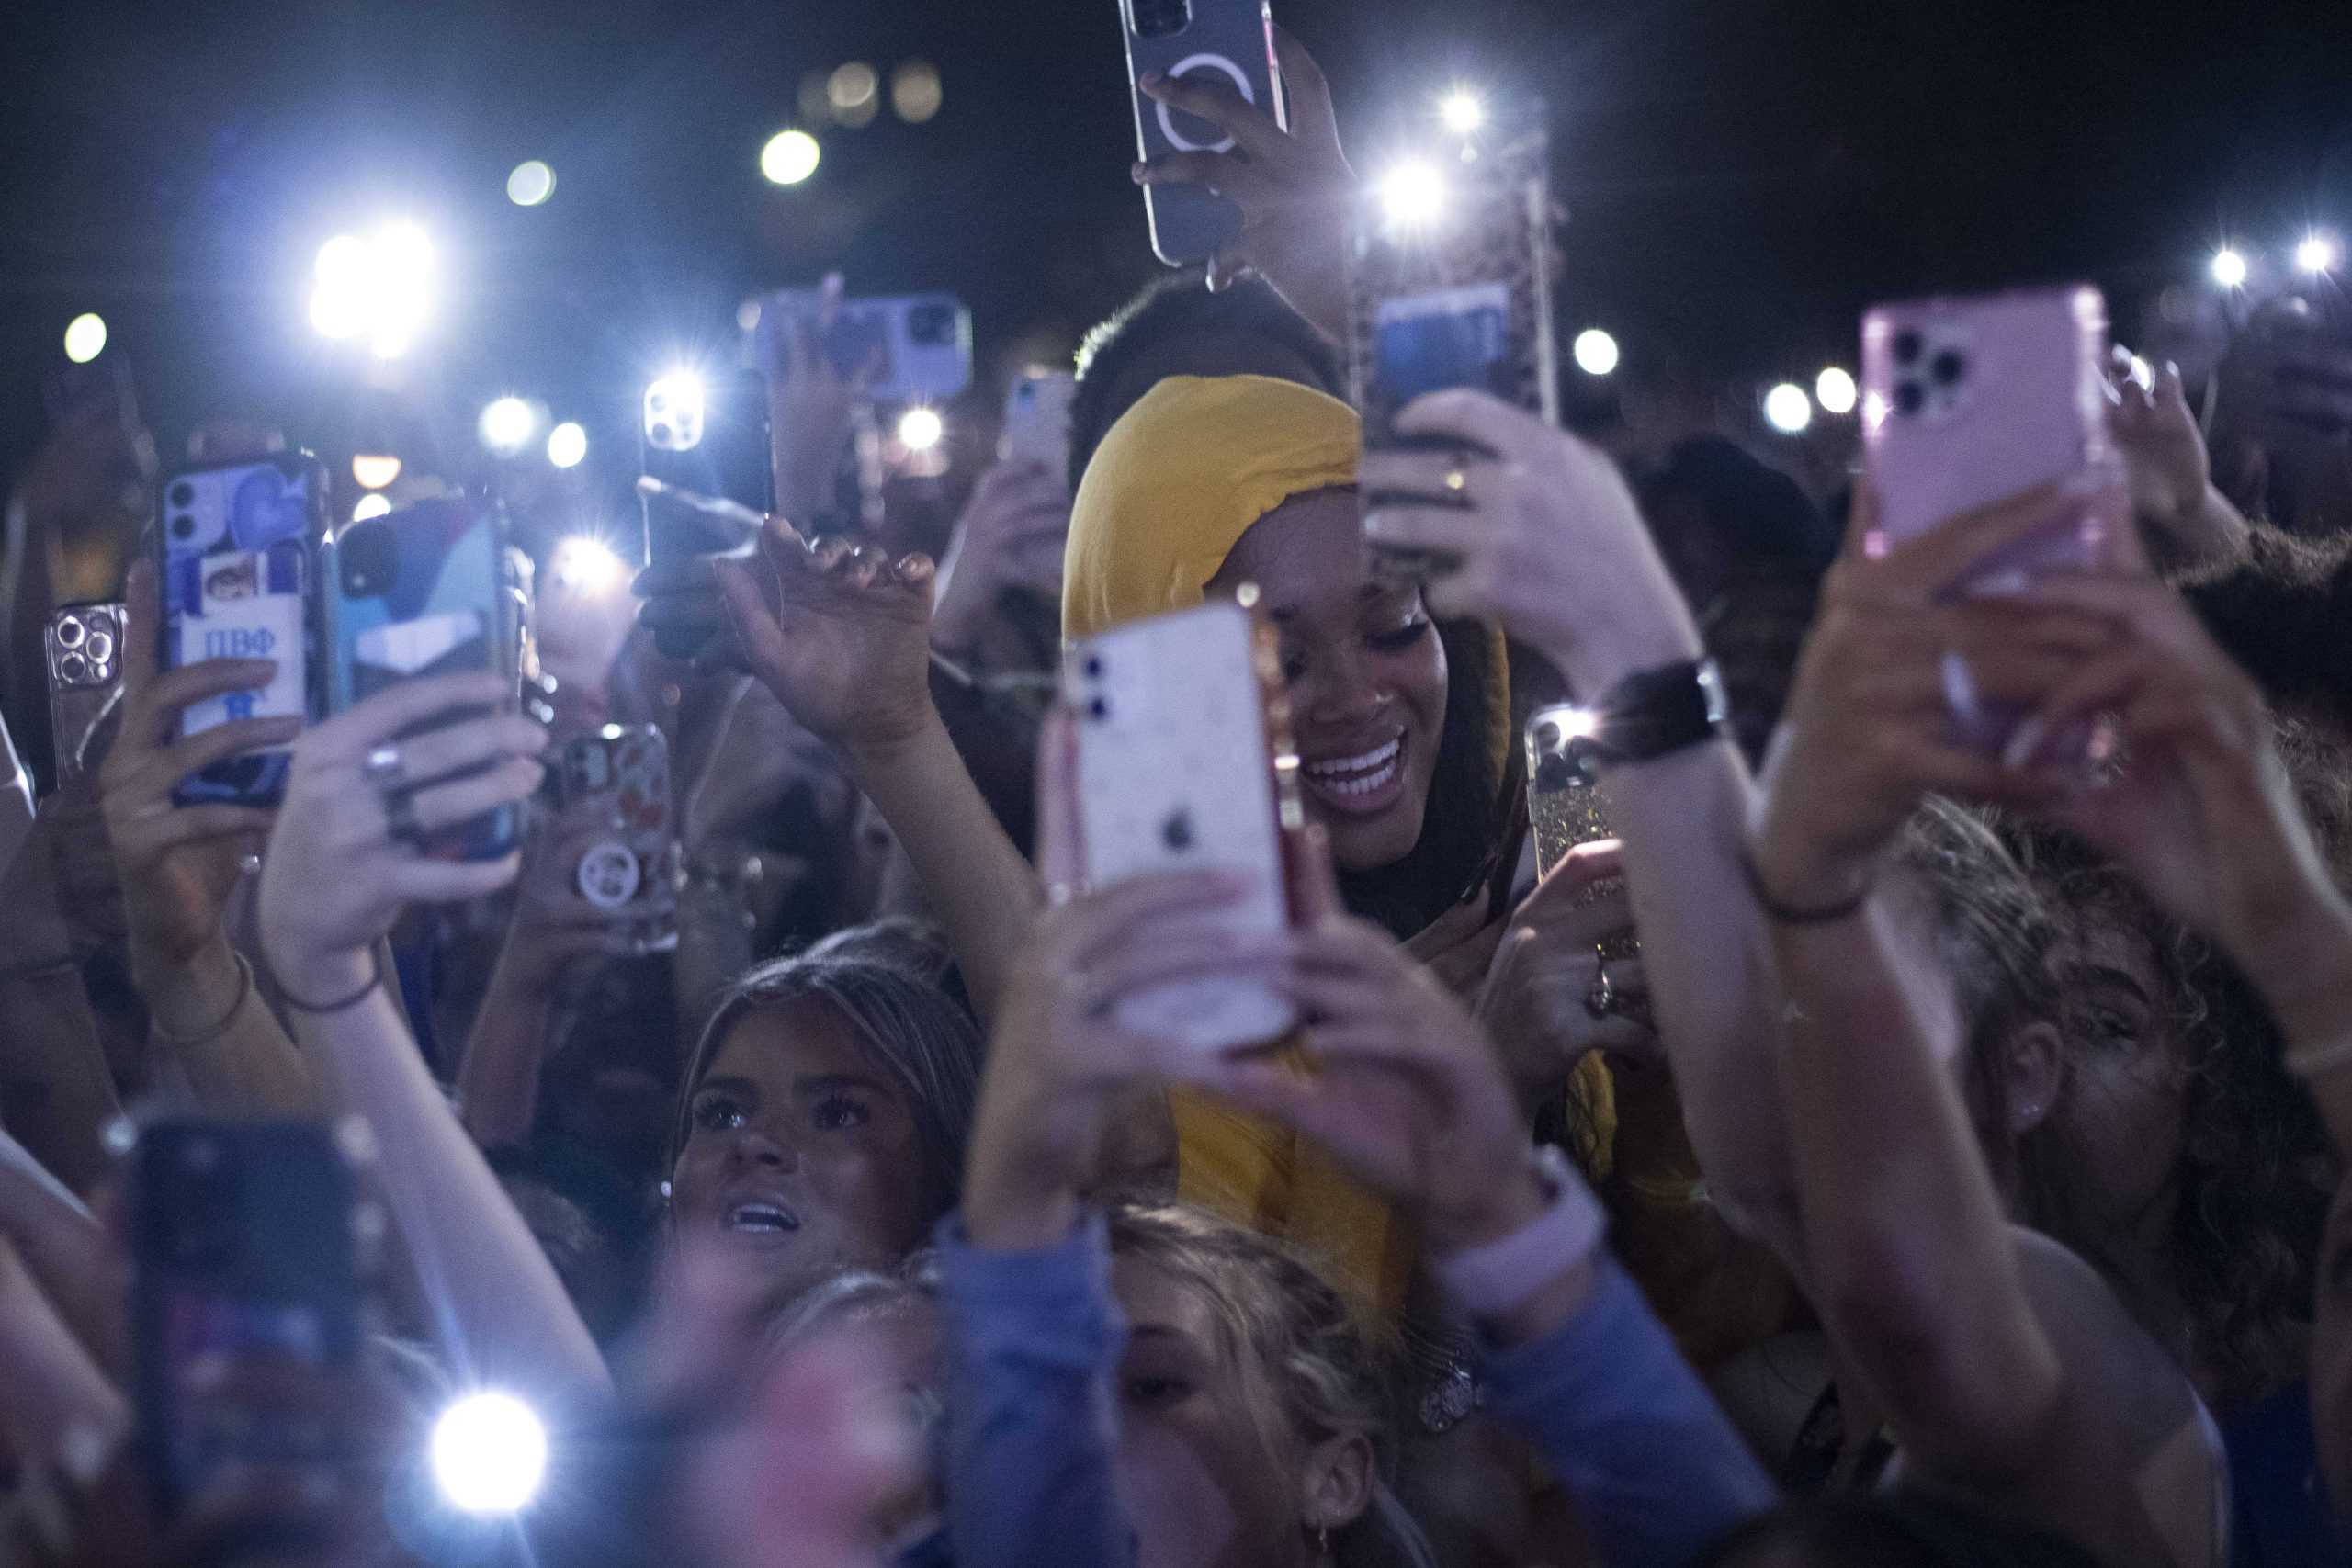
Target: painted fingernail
[(2024, 741)]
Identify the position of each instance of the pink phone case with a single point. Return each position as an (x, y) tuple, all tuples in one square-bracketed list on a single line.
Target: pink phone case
[(1966, 402)]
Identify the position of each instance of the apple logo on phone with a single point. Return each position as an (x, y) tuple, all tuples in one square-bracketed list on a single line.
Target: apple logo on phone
[(1185, 67)]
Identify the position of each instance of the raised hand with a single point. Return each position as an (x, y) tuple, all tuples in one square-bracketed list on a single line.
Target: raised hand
[(811, 404), (2171, 477), (334, 877), (838, 632), (176, 865), (1295, 189), (1009, 540), (1544, 1004), (1542, 535)]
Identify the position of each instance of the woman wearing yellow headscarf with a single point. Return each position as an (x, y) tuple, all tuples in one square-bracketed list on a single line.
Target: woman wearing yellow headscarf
[(1403, 728)]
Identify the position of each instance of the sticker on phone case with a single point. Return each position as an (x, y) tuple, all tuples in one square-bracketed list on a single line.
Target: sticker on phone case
[(238, 620)]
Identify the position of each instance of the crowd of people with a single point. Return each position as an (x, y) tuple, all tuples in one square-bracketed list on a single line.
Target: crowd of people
[(1946, 1177)]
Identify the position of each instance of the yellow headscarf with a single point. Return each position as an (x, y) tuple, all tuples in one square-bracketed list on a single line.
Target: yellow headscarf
[(1171, 491)]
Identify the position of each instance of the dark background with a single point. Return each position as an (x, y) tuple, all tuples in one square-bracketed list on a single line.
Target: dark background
[(1743, 176)]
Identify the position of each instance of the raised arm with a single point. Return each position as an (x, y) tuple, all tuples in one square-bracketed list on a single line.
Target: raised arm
[(1552, 547), (334, 879)]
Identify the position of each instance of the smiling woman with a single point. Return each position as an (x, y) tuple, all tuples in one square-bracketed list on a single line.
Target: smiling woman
[(826, 1108)]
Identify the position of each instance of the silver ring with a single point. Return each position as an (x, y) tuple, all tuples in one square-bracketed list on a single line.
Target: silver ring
[(1059, 893), (249, 863), (400, 817), (1600, 1001), (384, 767)]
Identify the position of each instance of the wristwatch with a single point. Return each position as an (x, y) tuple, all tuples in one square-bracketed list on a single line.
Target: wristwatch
[(1497, 1279)]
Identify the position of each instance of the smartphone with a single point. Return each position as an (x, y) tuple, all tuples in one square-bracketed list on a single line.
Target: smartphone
[(627, 766), (1229, 41), (1968, 401), (239, 544), (81, 649), (248, 1243), (705, 433), (1036, 420), (1454, 288), (425, 589), (1183, 764), (1564, 802), (918, 347)]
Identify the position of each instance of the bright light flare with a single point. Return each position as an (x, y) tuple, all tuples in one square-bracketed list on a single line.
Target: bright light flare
[(86, 337), (2316, 252), (2229, 269), (1413, 193), (375, 504), (920, 429), (789, 157), (1786, 409), (379, 287), (506, 425), (530, 183), (674, 405), (587, 566), (1595, 351), (490, 1453), (1834, 390), (1462, 111), (374, 472), (567, 444)]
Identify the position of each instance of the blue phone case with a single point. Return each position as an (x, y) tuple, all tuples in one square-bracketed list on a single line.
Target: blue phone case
[(1225, 41), (424, 590), (237, 552)]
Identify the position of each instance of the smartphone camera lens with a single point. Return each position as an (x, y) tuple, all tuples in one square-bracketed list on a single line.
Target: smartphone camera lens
[(932, 325), (72, 669), (1948, 367), (69, 632), (101, 651), (1547, 736), (1907, 346), (183, 527), (1909, 398), (183, 494), (1098, 709), (1161, 19), (1094, 666)]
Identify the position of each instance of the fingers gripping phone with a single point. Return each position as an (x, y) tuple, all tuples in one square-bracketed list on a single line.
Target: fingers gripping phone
[(627, 767), (249, 1250), (239, 546), (424, 590), (1453, 288), (1178, 770), (1227, 41), (1966, 402), (82, 650)]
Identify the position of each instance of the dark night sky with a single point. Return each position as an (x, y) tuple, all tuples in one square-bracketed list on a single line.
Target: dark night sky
[(1744, 175)]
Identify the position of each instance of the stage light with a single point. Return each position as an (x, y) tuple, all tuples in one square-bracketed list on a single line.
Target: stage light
[(587, 566), (374, 472), (920, 429), (1463, 110), (567, 444), (916, 91), (1596, 352), (375, 504), (789, 157), (506, 425), (86, 337), (530, 183), (381, 287), (1412, 194), (1786, 409), (1834, 389), (490, 1453), (2316, 252), (2229, 269)]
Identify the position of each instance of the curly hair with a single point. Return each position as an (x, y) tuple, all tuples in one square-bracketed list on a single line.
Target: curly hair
[(2255, 1173), (1287, 1331)]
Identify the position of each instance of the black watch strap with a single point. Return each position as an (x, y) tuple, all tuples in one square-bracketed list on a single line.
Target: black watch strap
[(1655, 713)]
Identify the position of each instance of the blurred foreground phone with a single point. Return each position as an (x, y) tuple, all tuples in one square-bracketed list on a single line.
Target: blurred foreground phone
[(1968, 401), (1231, 42), (627, 767), (1179, 726), (82, 652), (1451, 286), (238, 544), (919, 346), (424, 590), (247, 1246), (1036, 420), (16, 798), (705, 433)]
